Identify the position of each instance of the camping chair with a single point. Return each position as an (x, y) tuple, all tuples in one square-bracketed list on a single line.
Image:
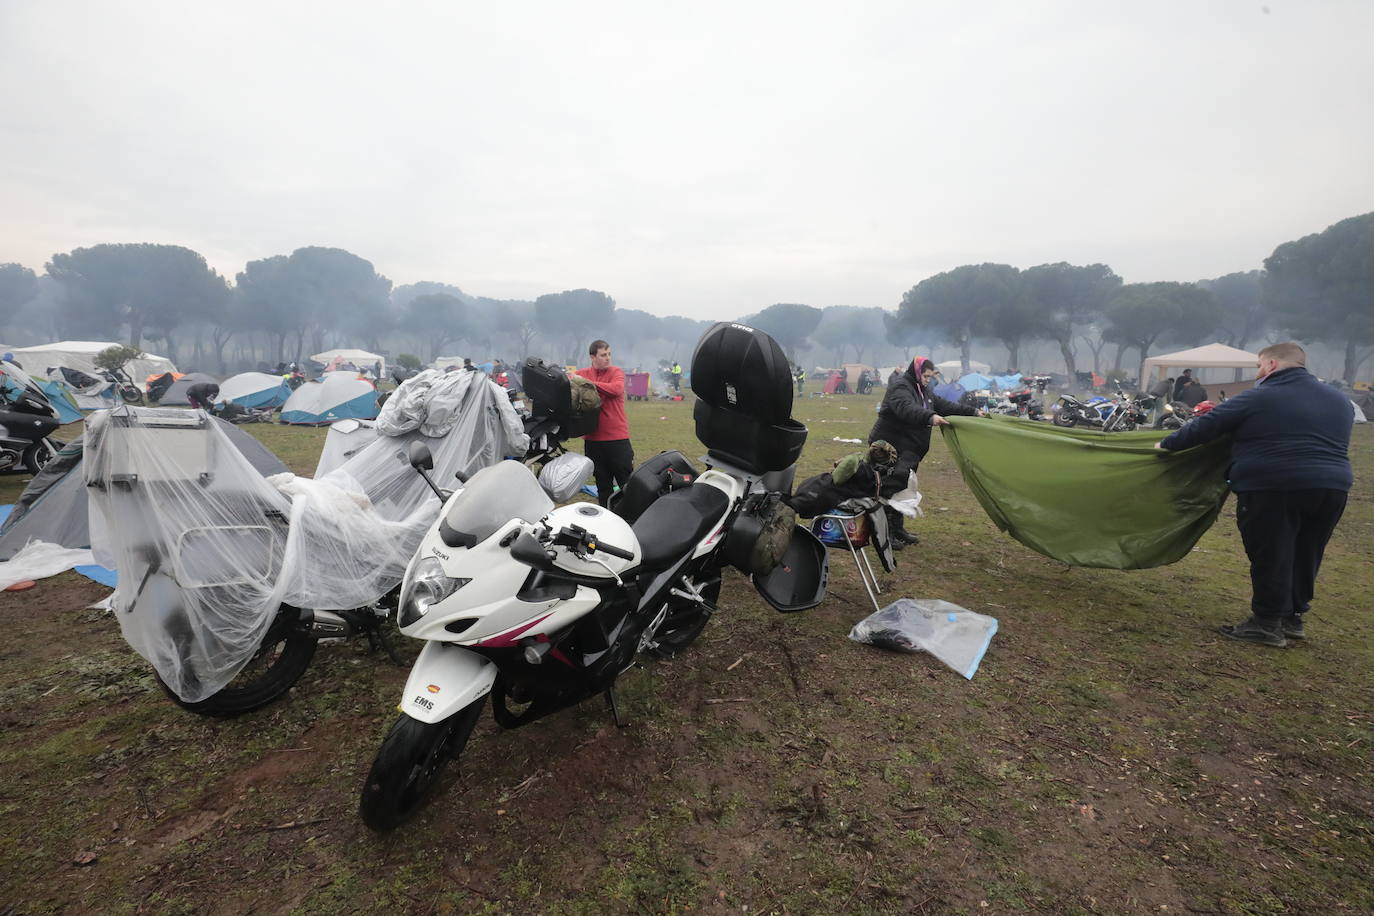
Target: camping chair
[(854, 525)]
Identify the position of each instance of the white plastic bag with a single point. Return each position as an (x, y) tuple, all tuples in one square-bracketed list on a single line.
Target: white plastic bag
[(908, 500), (956, 636)]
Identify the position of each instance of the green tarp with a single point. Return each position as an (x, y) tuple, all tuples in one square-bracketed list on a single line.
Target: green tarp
[(1089, 498)]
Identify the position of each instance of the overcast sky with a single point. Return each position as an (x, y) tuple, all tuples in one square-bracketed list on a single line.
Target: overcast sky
[(701, 158)]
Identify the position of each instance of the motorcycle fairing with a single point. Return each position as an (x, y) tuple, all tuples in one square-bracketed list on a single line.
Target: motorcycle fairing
[(444, 680)]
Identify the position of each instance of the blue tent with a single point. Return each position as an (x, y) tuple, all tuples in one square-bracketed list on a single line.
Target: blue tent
[(950, 391), (1007, 382), (335, 396), (60, 396), (255, 389)]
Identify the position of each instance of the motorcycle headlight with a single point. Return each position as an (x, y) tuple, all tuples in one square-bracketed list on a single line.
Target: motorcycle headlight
[(426, 588)]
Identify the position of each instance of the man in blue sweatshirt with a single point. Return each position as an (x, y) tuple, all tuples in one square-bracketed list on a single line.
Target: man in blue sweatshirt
[(1290, 471)]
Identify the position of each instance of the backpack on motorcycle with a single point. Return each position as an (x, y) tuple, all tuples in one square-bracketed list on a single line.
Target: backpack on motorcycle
[(744, 388), (551, 393), (760, 534)]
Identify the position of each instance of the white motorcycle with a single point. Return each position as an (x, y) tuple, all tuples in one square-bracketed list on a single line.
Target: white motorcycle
[(542, 607)]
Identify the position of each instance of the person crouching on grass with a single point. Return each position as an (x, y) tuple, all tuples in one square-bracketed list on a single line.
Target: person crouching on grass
[(613, 458)]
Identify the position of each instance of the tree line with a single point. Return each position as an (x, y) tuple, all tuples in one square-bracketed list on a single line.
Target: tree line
[(1317, 289)]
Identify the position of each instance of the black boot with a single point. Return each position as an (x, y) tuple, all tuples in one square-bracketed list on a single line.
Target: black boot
[(898, 535)]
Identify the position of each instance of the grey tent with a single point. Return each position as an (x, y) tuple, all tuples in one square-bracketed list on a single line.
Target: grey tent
[(176, 394), (52, 507)]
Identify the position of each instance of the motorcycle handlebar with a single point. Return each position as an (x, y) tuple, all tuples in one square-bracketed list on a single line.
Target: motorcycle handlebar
[(612, 550)]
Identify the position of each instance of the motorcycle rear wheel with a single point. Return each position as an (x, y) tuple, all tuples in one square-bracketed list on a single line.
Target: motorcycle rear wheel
[(280, 661), (130, 394), (408, 766), (686, 619), (1065, 420)]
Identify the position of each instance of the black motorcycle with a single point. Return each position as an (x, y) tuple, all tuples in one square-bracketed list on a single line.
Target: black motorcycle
[(27, 420)]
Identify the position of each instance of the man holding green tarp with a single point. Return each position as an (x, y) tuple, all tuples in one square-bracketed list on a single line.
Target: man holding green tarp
[(1290, 469), (1088, 498)]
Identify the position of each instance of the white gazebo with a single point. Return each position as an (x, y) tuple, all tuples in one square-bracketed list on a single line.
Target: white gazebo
[(1211, 356), (360, 358)]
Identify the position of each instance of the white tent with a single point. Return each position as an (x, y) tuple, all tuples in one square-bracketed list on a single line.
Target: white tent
[(956, 368), (1212, 356), (81, 354), (361, 359)]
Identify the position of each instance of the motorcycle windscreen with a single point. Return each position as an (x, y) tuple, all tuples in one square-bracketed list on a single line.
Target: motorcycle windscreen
[(494, 496), (799, 581)]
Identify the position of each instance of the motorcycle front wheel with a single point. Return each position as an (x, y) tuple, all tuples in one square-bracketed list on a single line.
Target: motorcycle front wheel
[(686, 619), (130, 394), (280, 661), (408, 766)]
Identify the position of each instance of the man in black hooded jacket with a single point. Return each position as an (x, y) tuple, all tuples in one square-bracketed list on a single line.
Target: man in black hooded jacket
[(909, 411)]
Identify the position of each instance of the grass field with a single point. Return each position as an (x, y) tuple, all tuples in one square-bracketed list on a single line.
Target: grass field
[(1112, 755)]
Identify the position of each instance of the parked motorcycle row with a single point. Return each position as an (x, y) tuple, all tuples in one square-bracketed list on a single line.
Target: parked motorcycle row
[(1125, 412), (534, 605)]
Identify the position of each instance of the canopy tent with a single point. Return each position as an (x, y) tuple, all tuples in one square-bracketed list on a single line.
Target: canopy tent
[(361, 359), (52, 507), (81, 354), (254, 389), (175, 396), (335, 396), (951, 366), (1211, 356)]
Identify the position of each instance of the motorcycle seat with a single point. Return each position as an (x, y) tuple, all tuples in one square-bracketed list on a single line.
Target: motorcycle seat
[(676, 521)]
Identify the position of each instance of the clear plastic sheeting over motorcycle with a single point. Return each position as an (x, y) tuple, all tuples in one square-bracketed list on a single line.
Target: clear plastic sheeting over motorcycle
[(208, 550)]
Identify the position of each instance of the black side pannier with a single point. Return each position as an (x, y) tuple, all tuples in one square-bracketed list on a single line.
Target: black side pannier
[(550, 392), (661, 474), (744, 409)]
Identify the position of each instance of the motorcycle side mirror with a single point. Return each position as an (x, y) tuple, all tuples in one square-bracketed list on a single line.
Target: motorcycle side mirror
[(419, 457)]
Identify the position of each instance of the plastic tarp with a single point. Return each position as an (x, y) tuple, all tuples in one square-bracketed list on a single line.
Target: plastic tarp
[(81, 354), (175, 396), (254, 390), (975, 380), (53, 507), (97, 395), (1007, 382), (345, 439), (334, 396), (1087, 498), (207, 550)]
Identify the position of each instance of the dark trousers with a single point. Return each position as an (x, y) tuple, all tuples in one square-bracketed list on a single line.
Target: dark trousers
[(1285, 533), (613, 461), (895, 480)]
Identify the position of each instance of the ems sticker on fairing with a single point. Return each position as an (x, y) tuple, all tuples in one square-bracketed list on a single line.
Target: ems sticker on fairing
[(423, 703)]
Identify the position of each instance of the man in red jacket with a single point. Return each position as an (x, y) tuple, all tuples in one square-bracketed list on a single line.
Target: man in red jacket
[(613, 458)]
